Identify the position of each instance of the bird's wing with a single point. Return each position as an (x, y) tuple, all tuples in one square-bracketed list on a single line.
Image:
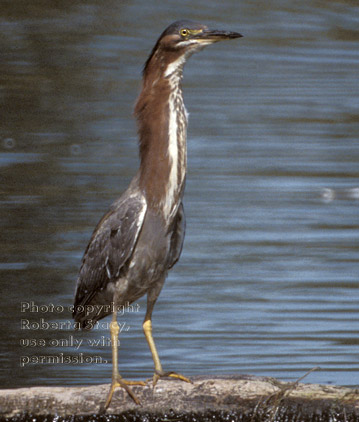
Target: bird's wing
[(111, 245), (177, 237)]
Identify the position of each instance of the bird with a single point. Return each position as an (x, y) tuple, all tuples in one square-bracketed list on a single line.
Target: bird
[(140, 238)]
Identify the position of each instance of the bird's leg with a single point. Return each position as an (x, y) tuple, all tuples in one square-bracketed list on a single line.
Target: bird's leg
[(147, 328), (117, 380)]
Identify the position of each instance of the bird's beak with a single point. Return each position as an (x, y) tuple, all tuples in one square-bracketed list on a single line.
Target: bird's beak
[(211, 36)]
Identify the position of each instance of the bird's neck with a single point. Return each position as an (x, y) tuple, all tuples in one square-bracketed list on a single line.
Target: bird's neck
[(162, 127)]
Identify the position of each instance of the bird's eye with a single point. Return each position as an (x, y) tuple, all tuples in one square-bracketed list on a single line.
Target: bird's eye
[(184, 32)]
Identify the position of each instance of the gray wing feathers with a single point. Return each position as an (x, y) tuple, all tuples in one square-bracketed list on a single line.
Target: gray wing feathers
[(111, 245), (177, 236)]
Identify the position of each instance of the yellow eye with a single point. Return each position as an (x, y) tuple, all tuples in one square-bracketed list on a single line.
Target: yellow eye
[(184, 32)]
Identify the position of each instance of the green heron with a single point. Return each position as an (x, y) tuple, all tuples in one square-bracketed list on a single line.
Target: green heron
[(141, 236)]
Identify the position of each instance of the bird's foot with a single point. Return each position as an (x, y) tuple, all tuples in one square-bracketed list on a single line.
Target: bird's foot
[(161, 374), (120, 382)]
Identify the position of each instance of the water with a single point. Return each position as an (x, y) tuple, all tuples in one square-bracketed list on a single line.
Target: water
[(268, 280)]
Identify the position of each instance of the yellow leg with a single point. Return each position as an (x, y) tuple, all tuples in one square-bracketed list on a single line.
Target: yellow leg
[(147, 328), (117, 380)]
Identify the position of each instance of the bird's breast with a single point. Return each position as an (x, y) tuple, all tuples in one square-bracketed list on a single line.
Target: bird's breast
[(149, 262)]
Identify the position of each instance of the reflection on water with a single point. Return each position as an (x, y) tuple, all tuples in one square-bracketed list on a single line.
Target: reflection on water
[(268, 280)]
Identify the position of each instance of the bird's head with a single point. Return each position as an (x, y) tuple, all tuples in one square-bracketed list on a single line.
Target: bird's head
[(183, 38)]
